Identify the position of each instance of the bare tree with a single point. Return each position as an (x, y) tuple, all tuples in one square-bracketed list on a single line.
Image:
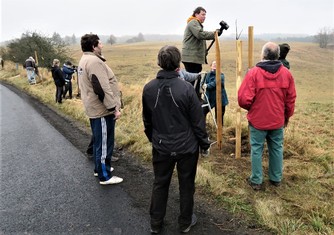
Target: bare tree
[(325, 37), (112, 39)]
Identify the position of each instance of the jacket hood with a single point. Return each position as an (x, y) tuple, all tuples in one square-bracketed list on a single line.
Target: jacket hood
[(270, 66), (191, 18), (163, 74)]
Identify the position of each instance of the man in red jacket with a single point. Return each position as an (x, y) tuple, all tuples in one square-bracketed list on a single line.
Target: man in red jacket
[(268, 93)]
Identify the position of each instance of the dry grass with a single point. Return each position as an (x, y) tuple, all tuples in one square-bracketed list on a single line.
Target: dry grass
[(303, 204)]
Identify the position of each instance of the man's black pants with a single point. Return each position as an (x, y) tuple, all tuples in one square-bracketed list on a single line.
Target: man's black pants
[(163, 166)]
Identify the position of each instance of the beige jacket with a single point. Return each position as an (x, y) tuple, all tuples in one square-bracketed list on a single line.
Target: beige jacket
[(98, 85)]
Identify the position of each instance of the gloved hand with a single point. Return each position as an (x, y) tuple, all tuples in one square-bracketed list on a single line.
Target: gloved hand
[(220, 31)]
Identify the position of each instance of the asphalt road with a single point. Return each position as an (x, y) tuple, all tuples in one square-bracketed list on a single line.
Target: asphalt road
[(48, 187)]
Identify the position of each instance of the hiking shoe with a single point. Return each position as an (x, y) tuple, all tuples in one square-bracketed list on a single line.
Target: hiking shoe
[(193, 222), (275, 183), (112, 180), (114, 159), (256, 187), (96, 174)]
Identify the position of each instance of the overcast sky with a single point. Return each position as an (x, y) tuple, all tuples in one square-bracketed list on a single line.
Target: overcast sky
[(130, 17)]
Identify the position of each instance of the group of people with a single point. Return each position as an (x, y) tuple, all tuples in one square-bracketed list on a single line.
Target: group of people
[(62, 78), (173, 117)]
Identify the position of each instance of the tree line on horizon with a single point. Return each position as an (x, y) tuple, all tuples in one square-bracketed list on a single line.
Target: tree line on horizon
[(18, 50)]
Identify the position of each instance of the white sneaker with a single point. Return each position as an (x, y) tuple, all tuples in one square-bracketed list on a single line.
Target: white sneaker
[(112, 180), (96, 174)]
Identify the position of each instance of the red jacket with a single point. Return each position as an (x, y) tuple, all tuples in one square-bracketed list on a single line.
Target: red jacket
[(268, 93)]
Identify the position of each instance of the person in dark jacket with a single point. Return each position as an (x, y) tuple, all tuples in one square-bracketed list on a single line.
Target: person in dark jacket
[(68, 71), (174, 124), (209, 86), (268, 93), (58, 79), (284, 50)]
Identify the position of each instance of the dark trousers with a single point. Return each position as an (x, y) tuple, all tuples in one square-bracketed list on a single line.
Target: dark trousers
[(103, 130), (206, 110), (68, 88), (163, 167), (59, 93), (194, 68)]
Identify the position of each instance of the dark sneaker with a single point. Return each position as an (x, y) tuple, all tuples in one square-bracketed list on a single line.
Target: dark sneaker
[(275, 183), (256, 187), (193, 222), (155, 229)]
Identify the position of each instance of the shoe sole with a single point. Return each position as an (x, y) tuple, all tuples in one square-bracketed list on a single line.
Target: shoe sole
[(111, 182)]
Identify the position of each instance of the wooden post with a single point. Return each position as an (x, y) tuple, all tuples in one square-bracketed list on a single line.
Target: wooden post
[(36, 58), (38, 72), (238, 117), (218, 95), (250, 60), (250, 47)]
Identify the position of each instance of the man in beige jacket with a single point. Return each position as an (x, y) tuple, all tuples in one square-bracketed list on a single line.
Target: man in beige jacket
[(101, 98)]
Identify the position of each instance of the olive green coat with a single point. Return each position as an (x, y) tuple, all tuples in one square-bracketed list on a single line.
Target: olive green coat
[(194, 43)]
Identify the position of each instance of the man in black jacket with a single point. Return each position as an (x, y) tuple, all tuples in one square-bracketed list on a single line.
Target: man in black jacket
[(174, 123)]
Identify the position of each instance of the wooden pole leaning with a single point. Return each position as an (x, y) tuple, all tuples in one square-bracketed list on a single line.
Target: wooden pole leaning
[(218, 95), (238, 113)]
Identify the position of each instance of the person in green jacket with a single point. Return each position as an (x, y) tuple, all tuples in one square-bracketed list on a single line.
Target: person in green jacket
[(194, 50)]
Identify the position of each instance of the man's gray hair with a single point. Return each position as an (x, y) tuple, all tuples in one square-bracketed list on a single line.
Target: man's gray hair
[(270, 51)]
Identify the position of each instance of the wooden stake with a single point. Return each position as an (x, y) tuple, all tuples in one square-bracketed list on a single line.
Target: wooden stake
[(36, 58), (250, 47), (250, 60), (238, 114), (218, 95)]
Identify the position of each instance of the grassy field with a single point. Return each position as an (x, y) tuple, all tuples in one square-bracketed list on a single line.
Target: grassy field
[(304, 202)]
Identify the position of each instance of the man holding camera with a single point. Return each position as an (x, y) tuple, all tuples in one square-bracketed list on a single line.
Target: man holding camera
[(68, 71), (194, 50)]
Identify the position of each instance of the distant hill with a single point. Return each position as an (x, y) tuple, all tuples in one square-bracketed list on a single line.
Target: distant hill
[(174, 37)]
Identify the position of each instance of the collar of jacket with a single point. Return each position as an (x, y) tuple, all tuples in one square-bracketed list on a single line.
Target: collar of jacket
[(270, 66), (91, 53), (163, 74)]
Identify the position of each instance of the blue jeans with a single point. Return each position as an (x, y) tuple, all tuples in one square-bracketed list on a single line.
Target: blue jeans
[(31, 75), (274, 140), (103, 130)]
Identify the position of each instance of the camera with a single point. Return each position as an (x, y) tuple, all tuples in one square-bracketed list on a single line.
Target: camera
[(223, 25)]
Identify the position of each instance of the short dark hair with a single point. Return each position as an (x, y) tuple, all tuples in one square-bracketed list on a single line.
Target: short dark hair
[(270, 51), (88, 41), (169, 58), (198, 10)]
